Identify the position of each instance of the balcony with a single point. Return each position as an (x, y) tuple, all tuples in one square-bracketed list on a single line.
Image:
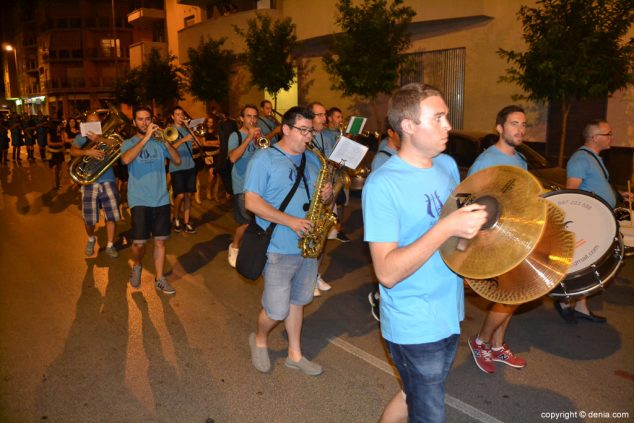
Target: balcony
[(145, 17), (139, 51), (106, 54)]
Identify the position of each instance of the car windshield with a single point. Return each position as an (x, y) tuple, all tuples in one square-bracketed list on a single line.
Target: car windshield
[(534, 159)]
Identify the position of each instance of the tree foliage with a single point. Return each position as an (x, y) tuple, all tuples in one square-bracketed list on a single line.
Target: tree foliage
[(575, 51), (366, 57), (157, 82), (209, 69), (269, 52)]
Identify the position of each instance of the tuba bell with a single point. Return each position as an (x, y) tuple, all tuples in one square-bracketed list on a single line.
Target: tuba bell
[(87, 170)]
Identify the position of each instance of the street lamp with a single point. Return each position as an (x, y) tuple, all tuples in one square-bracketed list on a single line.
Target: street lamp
[(7, 71)]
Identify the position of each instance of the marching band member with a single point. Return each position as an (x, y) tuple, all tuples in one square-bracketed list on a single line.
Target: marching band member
[(268, 123), (101, 195), (147, 195)]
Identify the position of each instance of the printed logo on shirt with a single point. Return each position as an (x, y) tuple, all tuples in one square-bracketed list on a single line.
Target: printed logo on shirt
[(434, 205)]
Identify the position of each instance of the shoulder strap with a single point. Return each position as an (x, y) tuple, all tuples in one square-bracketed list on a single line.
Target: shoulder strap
[(237, 131), (605, 173), (265, 122), (291, 193), (385, 152)]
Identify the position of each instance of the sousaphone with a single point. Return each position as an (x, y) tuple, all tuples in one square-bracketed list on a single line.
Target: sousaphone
[(523, 251)]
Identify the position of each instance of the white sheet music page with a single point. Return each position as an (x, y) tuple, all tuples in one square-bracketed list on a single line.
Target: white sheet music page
[(195, 122), (348, 153), (86, 127)]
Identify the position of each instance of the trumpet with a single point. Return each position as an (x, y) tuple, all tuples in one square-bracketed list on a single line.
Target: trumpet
[(169, 134), (262, 143)]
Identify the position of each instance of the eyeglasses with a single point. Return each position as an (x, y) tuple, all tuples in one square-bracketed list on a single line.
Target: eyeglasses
[(607, 134), (304, 131)]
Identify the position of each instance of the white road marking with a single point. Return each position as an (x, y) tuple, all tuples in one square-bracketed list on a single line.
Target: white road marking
[(452, 402)]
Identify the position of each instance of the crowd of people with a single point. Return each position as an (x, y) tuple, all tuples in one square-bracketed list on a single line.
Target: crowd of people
[(261, 161)]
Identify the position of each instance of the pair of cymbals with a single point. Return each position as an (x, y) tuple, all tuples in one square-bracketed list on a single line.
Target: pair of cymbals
[(523, 251)]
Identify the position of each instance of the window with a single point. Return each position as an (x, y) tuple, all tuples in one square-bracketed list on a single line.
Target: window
[(190, 20), (108, 46)]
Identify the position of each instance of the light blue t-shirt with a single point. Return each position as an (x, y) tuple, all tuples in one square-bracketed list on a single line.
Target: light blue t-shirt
[(108, 175), (271, 174), (382, 156), (583, 166), (325, 141), (147, 184), (400, 204), (239, 169), (185, 151), (492, 156)]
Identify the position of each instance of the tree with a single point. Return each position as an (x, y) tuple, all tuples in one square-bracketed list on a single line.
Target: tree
[(269, 53), (366, 57), (209, 70), (157, 81), (575, 51)]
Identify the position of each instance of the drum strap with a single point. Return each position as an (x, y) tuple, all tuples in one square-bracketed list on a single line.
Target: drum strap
[(605, 172)]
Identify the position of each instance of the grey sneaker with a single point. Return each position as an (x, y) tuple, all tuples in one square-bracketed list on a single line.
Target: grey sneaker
[(135, 276), (305, 366), (112, 252), (163, 285), (90, 246), (259, 356)]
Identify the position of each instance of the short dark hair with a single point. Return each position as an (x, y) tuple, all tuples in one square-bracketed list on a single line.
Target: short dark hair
[(590, 127), (263, 102), (249, 106), (290, 117), (331, 111), (175, 108), (500, 119), (313, 104), (141, 109), (405, 104)]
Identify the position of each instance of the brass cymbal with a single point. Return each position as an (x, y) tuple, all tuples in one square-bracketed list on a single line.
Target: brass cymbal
[(516, 222), (540, 272)]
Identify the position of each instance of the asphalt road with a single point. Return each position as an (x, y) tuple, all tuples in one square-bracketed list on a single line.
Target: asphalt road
[(78, 345)]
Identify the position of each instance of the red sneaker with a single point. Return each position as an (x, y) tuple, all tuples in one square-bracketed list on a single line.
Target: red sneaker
[(507, 357), (482, 356)]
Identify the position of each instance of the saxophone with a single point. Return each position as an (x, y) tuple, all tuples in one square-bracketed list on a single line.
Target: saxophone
[(319, 213)]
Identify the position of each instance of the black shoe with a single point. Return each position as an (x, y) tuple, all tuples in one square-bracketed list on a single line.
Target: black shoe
[(189, 229), (342, 237), (591, 317), (177, 225), (566, 313)]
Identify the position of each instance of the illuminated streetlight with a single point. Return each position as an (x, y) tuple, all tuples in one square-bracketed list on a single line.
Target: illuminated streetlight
[(8, 47)]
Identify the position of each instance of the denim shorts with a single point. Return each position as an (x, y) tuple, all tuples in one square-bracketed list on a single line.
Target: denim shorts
[(240, 212), (288, 279), (423, 369)]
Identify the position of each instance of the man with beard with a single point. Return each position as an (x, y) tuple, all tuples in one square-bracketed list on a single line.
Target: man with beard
[(489, 346), (148, 198)]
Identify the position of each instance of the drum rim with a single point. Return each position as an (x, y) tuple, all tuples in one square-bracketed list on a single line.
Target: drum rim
[(616, 238)]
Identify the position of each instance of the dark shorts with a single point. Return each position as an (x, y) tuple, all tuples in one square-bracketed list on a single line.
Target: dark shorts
[(150, 222), (240, 212), (184, 181)]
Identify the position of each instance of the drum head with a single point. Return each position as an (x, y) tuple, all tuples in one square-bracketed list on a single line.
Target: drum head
[(593, 223)]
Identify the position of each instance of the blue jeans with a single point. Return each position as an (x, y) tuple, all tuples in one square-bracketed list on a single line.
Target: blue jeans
[(424, 369)]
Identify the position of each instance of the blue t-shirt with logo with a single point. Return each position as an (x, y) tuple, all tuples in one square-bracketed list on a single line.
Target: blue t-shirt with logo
[(400, 204), (185, 151), (147, 185), (589, 167), (271, 174), (239, 169), (108, 175), (493, 156)]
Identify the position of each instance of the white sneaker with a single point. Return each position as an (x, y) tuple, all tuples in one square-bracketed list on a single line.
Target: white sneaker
[(316, 292), (322, 285), (232, 256)]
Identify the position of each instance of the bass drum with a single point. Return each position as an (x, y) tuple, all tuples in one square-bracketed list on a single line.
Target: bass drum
[(598, 252)]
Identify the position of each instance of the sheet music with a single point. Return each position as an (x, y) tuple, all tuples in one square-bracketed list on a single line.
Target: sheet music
[(355, 125), (348, 153), (195, 122), (86, 127)]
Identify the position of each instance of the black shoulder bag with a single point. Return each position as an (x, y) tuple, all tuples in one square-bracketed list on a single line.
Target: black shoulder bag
[(255, 242)]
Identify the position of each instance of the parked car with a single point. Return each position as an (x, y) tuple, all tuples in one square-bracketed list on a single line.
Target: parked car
[(465, 146)]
